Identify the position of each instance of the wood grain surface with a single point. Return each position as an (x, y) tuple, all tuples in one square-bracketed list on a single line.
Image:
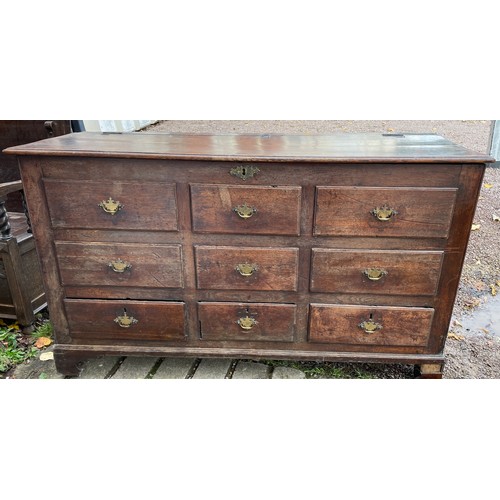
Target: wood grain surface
[(346, 147), (277, 209), (274, 322)]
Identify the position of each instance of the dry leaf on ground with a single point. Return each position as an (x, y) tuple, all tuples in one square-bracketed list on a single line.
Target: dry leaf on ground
[(487, 185), (46, 356), (493, 290), (496, 218), (454, 336), (42, 342), (475, 227)]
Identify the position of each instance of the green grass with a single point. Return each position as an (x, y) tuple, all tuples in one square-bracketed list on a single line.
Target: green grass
[(16, 346), (325, 370)]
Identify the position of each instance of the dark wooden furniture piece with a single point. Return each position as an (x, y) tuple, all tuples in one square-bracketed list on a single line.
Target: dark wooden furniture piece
[(21, 286), (15, 132), (343, 247)]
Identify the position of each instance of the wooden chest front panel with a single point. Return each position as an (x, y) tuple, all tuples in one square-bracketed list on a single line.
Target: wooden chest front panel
[(270, 268), (349, 211), (148, 206), (246, 209), (248, 322), (316, 213), (390, 272), (108, 319), (344, 324), (120, 264)]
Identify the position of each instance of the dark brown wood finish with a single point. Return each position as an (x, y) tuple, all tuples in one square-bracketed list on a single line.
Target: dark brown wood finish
[(268, 322), (394, 325), (270, 269), (350, 148), (301, 254), (374, 272), (412, 212), (246, 210), (120, 264), (139, 205), (125, 320)]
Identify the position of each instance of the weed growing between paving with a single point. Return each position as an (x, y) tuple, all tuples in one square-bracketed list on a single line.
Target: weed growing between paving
[(17, 346)]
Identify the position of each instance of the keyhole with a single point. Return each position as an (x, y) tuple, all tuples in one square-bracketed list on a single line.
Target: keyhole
[(371, 316), (244, 171)]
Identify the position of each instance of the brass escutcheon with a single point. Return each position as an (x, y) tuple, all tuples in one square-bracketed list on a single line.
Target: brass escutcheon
[(244, 211), (247, 323), (111, 206), (125, 321), (370, 326), (244, 171), (246, 269), (119, 266), (383, 213), (374, 274)]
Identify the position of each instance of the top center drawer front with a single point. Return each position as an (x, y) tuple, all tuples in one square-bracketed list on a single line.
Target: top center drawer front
[(219, 208)]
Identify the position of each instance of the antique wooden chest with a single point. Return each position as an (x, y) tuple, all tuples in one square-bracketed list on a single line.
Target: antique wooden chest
[(339, 247)]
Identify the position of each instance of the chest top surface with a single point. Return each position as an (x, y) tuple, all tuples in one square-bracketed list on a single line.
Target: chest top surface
[(341, 147)]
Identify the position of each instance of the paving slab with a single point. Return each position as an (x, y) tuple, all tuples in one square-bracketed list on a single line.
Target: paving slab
[(135, 368), (98, 368), (247, 369), (174, 368), (212, 368), (284, 372)]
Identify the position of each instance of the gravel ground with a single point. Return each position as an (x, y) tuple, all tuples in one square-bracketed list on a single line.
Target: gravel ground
[(473, 346)]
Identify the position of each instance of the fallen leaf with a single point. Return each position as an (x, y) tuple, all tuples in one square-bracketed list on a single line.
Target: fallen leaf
[(479, 285), (475, 227), (487, 185), (454, 336), (46, 356), (497, 283), (471, 303), (390, 130), (493, 290), (42, 342), (484, 330), (457, 323), (496, 218)]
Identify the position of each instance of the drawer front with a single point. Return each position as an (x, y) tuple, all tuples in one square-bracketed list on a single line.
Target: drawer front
[(125, 320), (246, 209), (381, 326), (372, 212), (247, 322), (247, 268), (120, 264), (149, 206), (380, 272)]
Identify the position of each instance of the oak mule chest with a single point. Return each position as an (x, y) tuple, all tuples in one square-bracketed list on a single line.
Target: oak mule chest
[(344, 247)]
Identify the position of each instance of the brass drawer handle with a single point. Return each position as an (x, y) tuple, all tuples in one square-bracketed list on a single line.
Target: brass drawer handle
[(247, 323), (110, 206), (384, 213), (244, 211), (125, 321), (375, 274), (370, 326), (246, 269), (119, 266)]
